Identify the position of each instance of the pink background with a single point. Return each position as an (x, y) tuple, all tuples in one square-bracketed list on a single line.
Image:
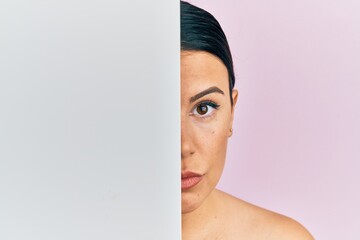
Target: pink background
[(296, 142)]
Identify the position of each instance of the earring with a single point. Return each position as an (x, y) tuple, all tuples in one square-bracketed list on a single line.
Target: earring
[(231, 131)]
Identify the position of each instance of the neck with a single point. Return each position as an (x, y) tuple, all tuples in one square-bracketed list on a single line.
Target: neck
[(200, 221)]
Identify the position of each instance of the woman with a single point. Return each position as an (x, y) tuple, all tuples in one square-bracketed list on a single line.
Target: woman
[(208, 99)]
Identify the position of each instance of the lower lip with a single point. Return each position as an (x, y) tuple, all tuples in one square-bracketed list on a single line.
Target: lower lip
[(189, 182)]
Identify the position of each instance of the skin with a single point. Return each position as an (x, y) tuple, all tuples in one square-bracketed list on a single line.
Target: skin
[(208, 213)]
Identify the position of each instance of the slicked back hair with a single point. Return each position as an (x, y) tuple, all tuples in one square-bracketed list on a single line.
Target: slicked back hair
[(200, 31)]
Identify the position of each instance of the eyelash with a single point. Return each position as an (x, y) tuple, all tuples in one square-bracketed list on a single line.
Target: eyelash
[(206, 103)]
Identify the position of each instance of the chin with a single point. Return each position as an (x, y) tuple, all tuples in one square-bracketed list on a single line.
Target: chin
[(190, 202), (187, 208)]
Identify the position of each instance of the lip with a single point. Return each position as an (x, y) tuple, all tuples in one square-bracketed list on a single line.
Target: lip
[(189, 179)]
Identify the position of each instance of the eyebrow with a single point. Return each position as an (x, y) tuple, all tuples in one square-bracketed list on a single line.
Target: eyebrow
[(205, 92)]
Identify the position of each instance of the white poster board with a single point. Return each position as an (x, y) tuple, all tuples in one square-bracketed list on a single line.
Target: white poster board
[(89, 120)]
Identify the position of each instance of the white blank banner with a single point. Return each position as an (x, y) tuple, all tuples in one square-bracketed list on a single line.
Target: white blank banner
[(89, 120)]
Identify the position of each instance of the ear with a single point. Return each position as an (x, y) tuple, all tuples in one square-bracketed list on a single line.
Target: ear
[(234, 97)]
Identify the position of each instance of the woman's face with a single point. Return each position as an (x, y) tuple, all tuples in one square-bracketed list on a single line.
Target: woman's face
[(206, 119)]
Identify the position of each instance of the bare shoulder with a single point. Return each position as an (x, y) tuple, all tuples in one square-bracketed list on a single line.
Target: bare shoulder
[(253, 222), (282, 227)]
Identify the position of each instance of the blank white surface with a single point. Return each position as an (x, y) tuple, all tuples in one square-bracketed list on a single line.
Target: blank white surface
[(89, 126)]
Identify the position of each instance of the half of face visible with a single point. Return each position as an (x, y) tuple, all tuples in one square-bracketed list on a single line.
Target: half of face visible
[(206, 117)]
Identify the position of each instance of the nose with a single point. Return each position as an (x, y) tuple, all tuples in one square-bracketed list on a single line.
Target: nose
[(187, 141)]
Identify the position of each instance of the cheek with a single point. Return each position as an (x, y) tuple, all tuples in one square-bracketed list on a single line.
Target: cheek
[(215, 132), (213, 143)]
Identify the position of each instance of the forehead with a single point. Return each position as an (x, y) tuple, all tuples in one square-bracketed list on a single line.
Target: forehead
[(200, 70)]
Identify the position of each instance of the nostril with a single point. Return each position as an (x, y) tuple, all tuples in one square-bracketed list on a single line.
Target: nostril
[(186, 154)]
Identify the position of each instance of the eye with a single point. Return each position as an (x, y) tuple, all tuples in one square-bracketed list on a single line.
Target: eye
[(204, 109)]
